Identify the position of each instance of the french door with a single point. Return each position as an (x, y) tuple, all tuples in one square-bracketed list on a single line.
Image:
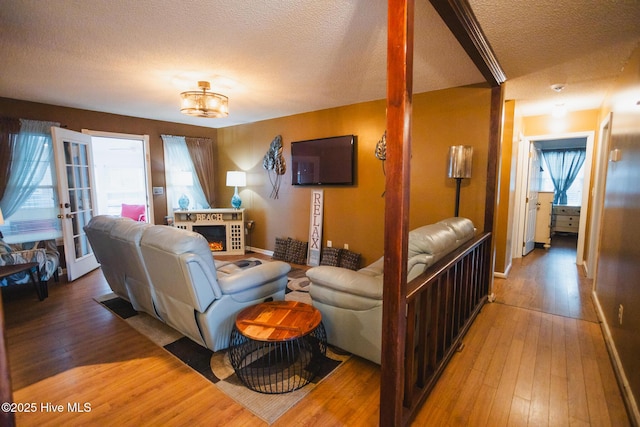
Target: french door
[(74, 170)]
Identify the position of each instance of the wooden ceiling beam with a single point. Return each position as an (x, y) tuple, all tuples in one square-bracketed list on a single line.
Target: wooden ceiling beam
[(462, 22)]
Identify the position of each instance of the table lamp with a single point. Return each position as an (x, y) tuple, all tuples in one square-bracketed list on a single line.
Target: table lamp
[(236, 179)]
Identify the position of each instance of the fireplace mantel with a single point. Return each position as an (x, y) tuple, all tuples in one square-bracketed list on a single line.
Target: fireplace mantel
[(221, 227)]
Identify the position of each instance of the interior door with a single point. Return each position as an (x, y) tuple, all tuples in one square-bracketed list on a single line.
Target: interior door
[(533, 187), (73, 158)]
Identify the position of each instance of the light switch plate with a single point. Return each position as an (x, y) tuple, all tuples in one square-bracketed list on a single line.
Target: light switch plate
[(615, 155)]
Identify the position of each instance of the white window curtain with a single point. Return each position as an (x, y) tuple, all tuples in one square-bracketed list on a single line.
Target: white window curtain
[(564, 166), (30, 199), (182, 181)]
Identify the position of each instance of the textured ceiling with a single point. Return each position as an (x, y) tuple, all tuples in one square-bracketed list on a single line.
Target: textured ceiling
[(582, 45), (271, 58), (277, 58)]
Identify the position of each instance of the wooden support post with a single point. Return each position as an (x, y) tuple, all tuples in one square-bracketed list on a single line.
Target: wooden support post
[(491, 199), (396, 225)]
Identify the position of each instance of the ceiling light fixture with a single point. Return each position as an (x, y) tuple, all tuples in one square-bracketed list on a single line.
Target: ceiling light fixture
[(559, 111), (204, 104)]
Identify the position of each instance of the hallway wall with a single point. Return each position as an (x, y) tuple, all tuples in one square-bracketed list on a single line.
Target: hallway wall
[(617, 281)]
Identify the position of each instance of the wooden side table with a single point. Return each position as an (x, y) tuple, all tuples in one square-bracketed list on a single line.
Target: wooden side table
[(32, 267), (277, 346)]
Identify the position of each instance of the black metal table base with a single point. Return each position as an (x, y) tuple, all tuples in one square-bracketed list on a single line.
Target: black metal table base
[(275, 367)]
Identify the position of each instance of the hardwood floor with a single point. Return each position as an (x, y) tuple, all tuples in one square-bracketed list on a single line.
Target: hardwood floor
[(535, 357)]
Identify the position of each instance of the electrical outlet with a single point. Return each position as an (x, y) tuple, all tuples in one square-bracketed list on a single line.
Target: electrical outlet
[(620, 313), (329, 243), (346, 246)]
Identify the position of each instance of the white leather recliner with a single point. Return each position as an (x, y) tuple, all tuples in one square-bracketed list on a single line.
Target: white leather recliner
[(99, 234), (351, 301), (191, 296), (170, 273), (116, 245), (125, 242)]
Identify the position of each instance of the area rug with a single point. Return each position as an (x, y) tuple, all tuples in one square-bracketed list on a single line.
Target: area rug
[(298, 290), (216, 366)]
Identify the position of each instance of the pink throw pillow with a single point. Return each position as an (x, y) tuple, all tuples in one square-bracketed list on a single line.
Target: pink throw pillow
[(135, 212)]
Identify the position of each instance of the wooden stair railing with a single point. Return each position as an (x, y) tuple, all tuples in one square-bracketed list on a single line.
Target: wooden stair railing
[(441, 306)]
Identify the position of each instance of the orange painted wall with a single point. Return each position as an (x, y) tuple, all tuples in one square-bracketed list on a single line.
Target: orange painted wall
[(576, 121), (355, 214), (503, 237), (352, 214), (458, 116)]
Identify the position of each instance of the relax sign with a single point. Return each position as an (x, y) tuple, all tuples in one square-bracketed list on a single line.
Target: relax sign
[(315, 228)]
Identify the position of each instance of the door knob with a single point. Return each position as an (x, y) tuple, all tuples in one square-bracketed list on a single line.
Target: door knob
[(70, 215), (60, 216)]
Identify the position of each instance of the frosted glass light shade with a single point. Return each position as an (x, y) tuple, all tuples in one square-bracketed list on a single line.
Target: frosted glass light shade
[(203, 103)]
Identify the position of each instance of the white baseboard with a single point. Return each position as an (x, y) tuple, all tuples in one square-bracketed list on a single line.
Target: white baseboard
[(503, 275), (259, 250), (627, 393)]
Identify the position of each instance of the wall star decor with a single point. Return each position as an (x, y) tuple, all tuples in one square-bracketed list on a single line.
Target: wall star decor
[(274, 162)]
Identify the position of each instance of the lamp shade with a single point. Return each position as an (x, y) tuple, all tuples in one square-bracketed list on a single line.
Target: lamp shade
[(460, 157), (236, 179)]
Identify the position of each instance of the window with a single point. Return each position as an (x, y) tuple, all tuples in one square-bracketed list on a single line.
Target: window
[(574, 193), (183, 187), (31, 187)]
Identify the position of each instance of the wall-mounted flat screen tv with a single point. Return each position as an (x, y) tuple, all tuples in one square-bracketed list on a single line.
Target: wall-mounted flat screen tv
[(326, 161)]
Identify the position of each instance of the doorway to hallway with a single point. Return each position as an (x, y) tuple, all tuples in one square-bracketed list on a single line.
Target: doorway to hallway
[(548, 280), (554, 142)]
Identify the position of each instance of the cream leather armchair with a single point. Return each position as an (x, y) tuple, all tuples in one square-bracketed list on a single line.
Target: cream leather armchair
[(351, 301), (192, 297)]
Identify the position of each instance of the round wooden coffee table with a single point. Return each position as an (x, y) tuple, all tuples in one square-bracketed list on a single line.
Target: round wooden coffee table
[(277, 346)]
